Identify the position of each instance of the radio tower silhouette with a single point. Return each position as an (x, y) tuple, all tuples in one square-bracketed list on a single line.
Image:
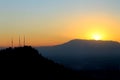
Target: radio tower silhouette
[(24, 41), (19, 42), (12, 43)]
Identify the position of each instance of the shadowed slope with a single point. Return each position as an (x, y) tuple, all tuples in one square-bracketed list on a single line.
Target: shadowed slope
[(23, 61), (27, 63), (85, 54)]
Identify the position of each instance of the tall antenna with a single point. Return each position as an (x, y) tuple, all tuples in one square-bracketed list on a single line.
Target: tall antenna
[(12, 42), (19, 42), (24, 40)]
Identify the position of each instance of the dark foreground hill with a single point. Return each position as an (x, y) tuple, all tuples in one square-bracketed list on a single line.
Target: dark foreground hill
[(23, 62), (27, 63)]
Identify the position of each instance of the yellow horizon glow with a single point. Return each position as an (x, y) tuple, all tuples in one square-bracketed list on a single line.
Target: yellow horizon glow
[(52, 22), (97, 27), (97, 37)]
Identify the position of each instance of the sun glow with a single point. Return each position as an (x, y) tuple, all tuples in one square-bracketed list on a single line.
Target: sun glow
[(97, 37)]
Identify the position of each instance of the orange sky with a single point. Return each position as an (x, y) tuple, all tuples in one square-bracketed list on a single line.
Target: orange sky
[(55, 22)]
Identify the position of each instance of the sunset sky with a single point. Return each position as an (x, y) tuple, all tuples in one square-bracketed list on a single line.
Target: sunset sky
[(51, 22)]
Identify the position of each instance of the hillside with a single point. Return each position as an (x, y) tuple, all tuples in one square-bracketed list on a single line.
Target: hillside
[(26, 62), (85, 54)]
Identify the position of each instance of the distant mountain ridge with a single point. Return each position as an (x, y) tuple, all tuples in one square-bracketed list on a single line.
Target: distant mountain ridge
[(90, 42), (85, 54)]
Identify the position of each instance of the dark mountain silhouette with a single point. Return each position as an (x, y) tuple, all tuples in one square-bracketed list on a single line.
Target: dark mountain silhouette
[(26, 62), (85, 54)]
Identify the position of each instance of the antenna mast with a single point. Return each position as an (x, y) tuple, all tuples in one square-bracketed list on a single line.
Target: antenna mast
[(12, 42), (24, 40), (19, 41)]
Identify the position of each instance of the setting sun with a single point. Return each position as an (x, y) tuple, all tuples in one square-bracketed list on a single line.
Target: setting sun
[(97, 37)]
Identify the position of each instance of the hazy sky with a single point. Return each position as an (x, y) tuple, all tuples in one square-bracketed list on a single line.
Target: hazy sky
[(49, 22)]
